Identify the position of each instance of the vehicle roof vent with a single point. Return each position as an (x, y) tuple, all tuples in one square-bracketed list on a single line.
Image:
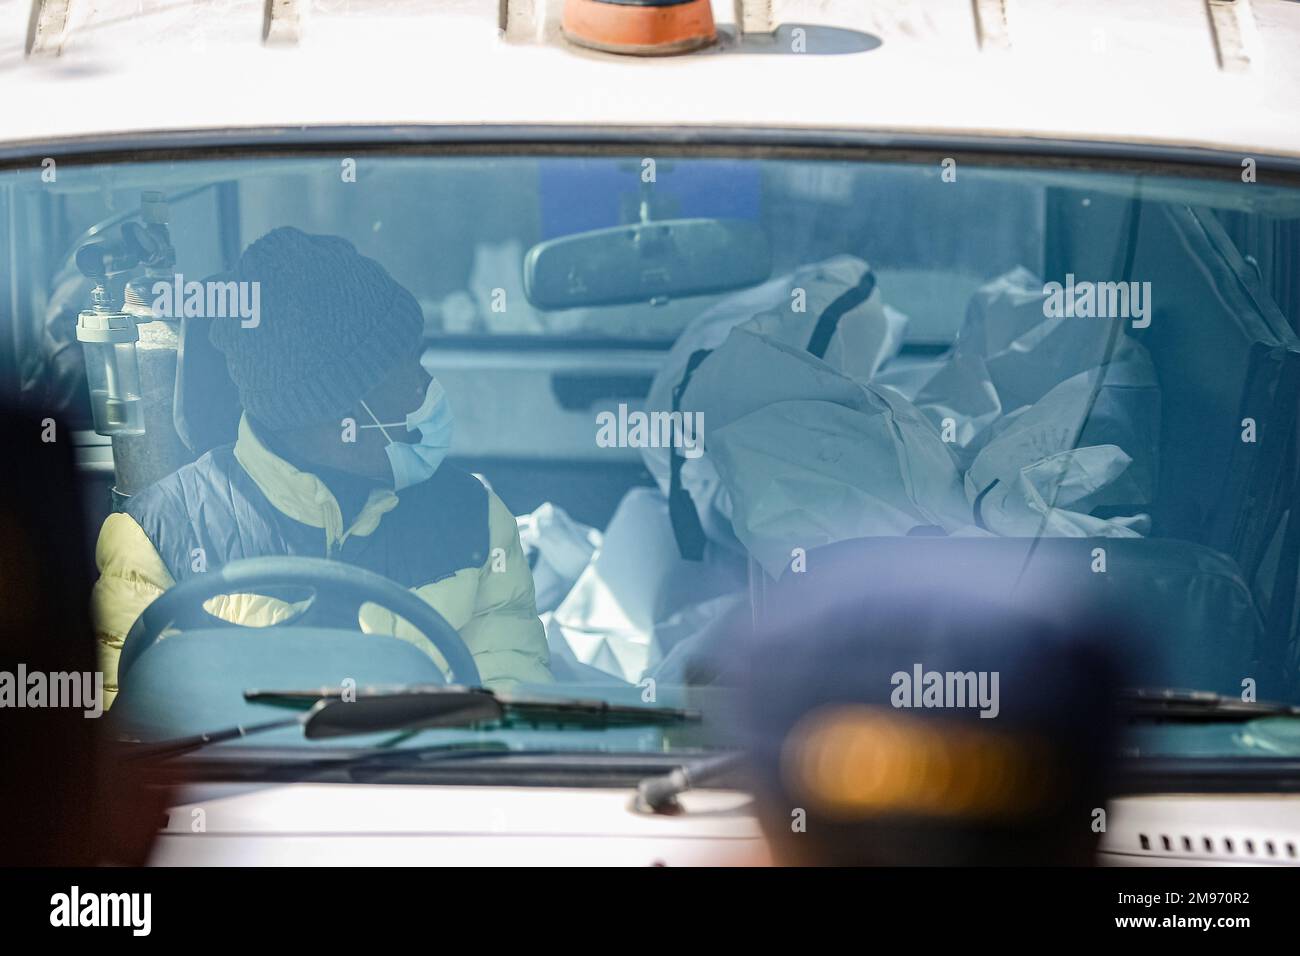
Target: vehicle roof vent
[(282, 22), (640, 27), (48, 28), (1236, 37), (992, 30)]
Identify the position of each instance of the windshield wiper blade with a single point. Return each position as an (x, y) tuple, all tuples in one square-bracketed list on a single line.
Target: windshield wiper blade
[(506, 709), (162, 750), (326, 712), (1195, 706)]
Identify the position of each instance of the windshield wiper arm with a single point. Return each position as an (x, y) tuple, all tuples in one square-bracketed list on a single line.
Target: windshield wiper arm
[(659, 794), (1195, 706), (327, 713)]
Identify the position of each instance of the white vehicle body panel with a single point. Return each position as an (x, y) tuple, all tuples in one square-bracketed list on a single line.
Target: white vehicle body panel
[(403, 825), (406, 825), (1102, 70), (1203, 830)]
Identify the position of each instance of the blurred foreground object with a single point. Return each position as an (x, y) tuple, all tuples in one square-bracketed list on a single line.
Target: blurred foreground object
[(928, 716), (64, 798)]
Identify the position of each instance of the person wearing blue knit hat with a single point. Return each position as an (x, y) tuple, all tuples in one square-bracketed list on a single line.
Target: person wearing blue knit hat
[(340, 455)]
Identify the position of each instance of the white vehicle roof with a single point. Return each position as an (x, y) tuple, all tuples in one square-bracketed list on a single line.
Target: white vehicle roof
[(1175, 73)]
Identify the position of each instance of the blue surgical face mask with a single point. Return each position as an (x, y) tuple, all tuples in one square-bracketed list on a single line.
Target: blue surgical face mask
[(415, 462)]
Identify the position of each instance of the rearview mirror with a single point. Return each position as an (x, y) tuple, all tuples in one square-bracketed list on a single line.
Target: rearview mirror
[(645, 262)]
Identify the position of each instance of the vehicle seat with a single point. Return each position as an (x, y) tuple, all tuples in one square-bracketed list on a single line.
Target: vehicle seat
[(1186, 615), (206, 409)]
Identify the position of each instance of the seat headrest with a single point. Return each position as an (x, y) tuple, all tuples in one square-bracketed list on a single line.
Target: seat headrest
[(206, 409)]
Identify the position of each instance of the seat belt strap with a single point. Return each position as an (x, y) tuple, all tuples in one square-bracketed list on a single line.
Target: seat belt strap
[(829, 320), (681, 508)]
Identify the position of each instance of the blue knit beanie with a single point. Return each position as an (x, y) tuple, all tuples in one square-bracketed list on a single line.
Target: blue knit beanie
[(333, 325)]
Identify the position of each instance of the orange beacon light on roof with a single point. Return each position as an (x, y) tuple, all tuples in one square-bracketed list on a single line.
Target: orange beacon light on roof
[(640, 27)]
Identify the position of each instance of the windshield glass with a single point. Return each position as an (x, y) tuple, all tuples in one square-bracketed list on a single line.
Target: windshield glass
[(593, 409)]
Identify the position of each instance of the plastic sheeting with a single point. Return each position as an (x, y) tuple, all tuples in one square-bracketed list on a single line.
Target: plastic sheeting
[(811, 456), (1047, 457), (630, 604), (1042, 431), (558, 550), (802, 452), (784, 309), (1044, 418), (1008, 354)]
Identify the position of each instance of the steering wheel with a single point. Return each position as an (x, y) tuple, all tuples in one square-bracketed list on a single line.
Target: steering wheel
[(337, 592)]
